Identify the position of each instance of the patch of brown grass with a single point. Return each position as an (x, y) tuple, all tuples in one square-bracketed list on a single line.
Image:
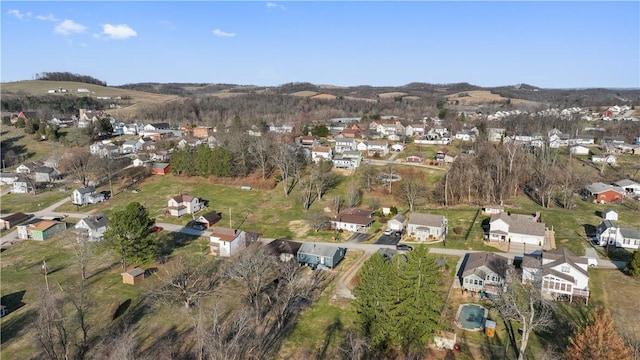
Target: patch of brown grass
[(618, 293), (299, 227)]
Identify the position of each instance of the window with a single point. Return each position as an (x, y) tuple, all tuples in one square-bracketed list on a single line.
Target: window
[(565, 269)]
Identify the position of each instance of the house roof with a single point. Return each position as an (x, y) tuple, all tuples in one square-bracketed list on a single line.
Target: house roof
[(626, 182), (160, 125), (183, 198), (520, 224), (281, 246), (399, 217), (15, 217), (564, 255), (426, 219), (95, 222), (496, 263), (43, 225), (323, 149), (630, 233), (160, 166), (86, 190), (44, 169), (8, 175), (598, 187), (134, 272), (212, 217), (224, 234), (318, 249)]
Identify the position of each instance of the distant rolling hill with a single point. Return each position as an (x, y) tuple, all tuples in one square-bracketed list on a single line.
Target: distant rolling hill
[(131, 100)]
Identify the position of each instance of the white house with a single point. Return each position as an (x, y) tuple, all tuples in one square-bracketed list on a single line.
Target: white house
[(345, 144), (8, 178), (559, 273), (579, 150), (131, 147), (228, 242), (93, 226), (630, 187), (610, 214), (321, 153), (396, 223), (522, 229), (22, 185), (599, 159), (609, 233), (427, 226), (184, 204), (86, 195), (378, 147)]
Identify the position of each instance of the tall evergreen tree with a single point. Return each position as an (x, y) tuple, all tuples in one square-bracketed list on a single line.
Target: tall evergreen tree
[(128, 234), (633, 266), (398, 300)]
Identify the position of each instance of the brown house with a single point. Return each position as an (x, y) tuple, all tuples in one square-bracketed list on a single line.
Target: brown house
[(202, 132), (160, 168), (133, 276), (209, 218), (414, 158), (350, 133), (6, 222)]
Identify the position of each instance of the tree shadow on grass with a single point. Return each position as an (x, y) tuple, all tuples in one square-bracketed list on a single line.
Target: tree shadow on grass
[(170, 241), (331, 332), (14, 325)]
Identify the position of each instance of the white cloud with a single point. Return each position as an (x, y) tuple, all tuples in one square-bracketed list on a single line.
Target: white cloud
[(18, 14), (220, 33), (121, 31), (272, 5), (69, 27), (48, 17)]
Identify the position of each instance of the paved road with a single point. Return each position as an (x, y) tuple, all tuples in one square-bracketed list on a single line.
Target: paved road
[(370, 248)]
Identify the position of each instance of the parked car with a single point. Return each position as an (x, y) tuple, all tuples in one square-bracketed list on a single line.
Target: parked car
[(398, 233), (388, 232), (404, 247), (199, 226), (155, 228)]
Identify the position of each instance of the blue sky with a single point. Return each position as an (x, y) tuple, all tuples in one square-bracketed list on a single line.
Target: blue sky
[(547, 44)]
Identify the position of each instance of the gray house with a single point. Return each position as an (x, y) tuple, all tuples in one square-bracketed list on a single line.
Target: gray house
[(484, 271), (46, 174), (320, 255)]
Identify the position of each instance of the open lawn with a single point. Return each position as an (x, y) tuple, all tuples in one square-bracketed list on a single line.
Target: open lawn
[(23, 284), (26, 147), (618, 293), (11, 203)]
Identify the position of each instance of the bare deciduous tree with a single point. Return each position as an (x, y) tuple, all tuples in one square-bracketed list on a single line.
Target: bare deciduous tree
[(79, 163), (260, 150), (52, 334), (523, 303), (353, 195), (412, 191), (186, 280)]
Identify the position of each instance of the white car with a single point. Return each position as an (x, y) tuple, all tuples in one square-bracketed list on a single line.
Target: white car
[(388, 232)]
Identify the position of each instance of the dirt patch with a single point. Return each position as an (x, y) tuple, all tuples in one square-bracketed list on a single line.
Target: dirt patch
[(391, 94), (299, 227), (324, 97), (304, 93)]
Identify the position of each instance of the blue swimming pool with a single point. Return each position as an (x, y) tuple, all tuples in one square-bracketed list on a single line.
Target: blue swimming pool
[(471, 316)]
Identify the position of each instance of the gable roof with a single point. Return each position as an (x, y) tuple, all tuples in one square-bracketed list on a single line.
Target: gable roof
[(426, 219), (212, 216), (563, 256), (318, 249), (183, 198), (520, 224), (598, 187), (86, 190), (496, 263), (44, 169), (626, 182), (15, 217), (399, 217), (629, 233), (224, 234), (95, 222), (281, 246)]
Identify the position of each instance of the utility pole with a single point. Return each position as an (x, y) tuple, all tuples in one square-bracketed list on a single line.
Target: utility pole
[(45, 270)]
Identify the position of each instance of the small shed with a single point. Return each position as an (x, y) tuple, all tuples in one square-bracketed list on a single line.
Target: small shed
[(160, 168), (6, 222), (133, 276), (489, 328), (610, 214)]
